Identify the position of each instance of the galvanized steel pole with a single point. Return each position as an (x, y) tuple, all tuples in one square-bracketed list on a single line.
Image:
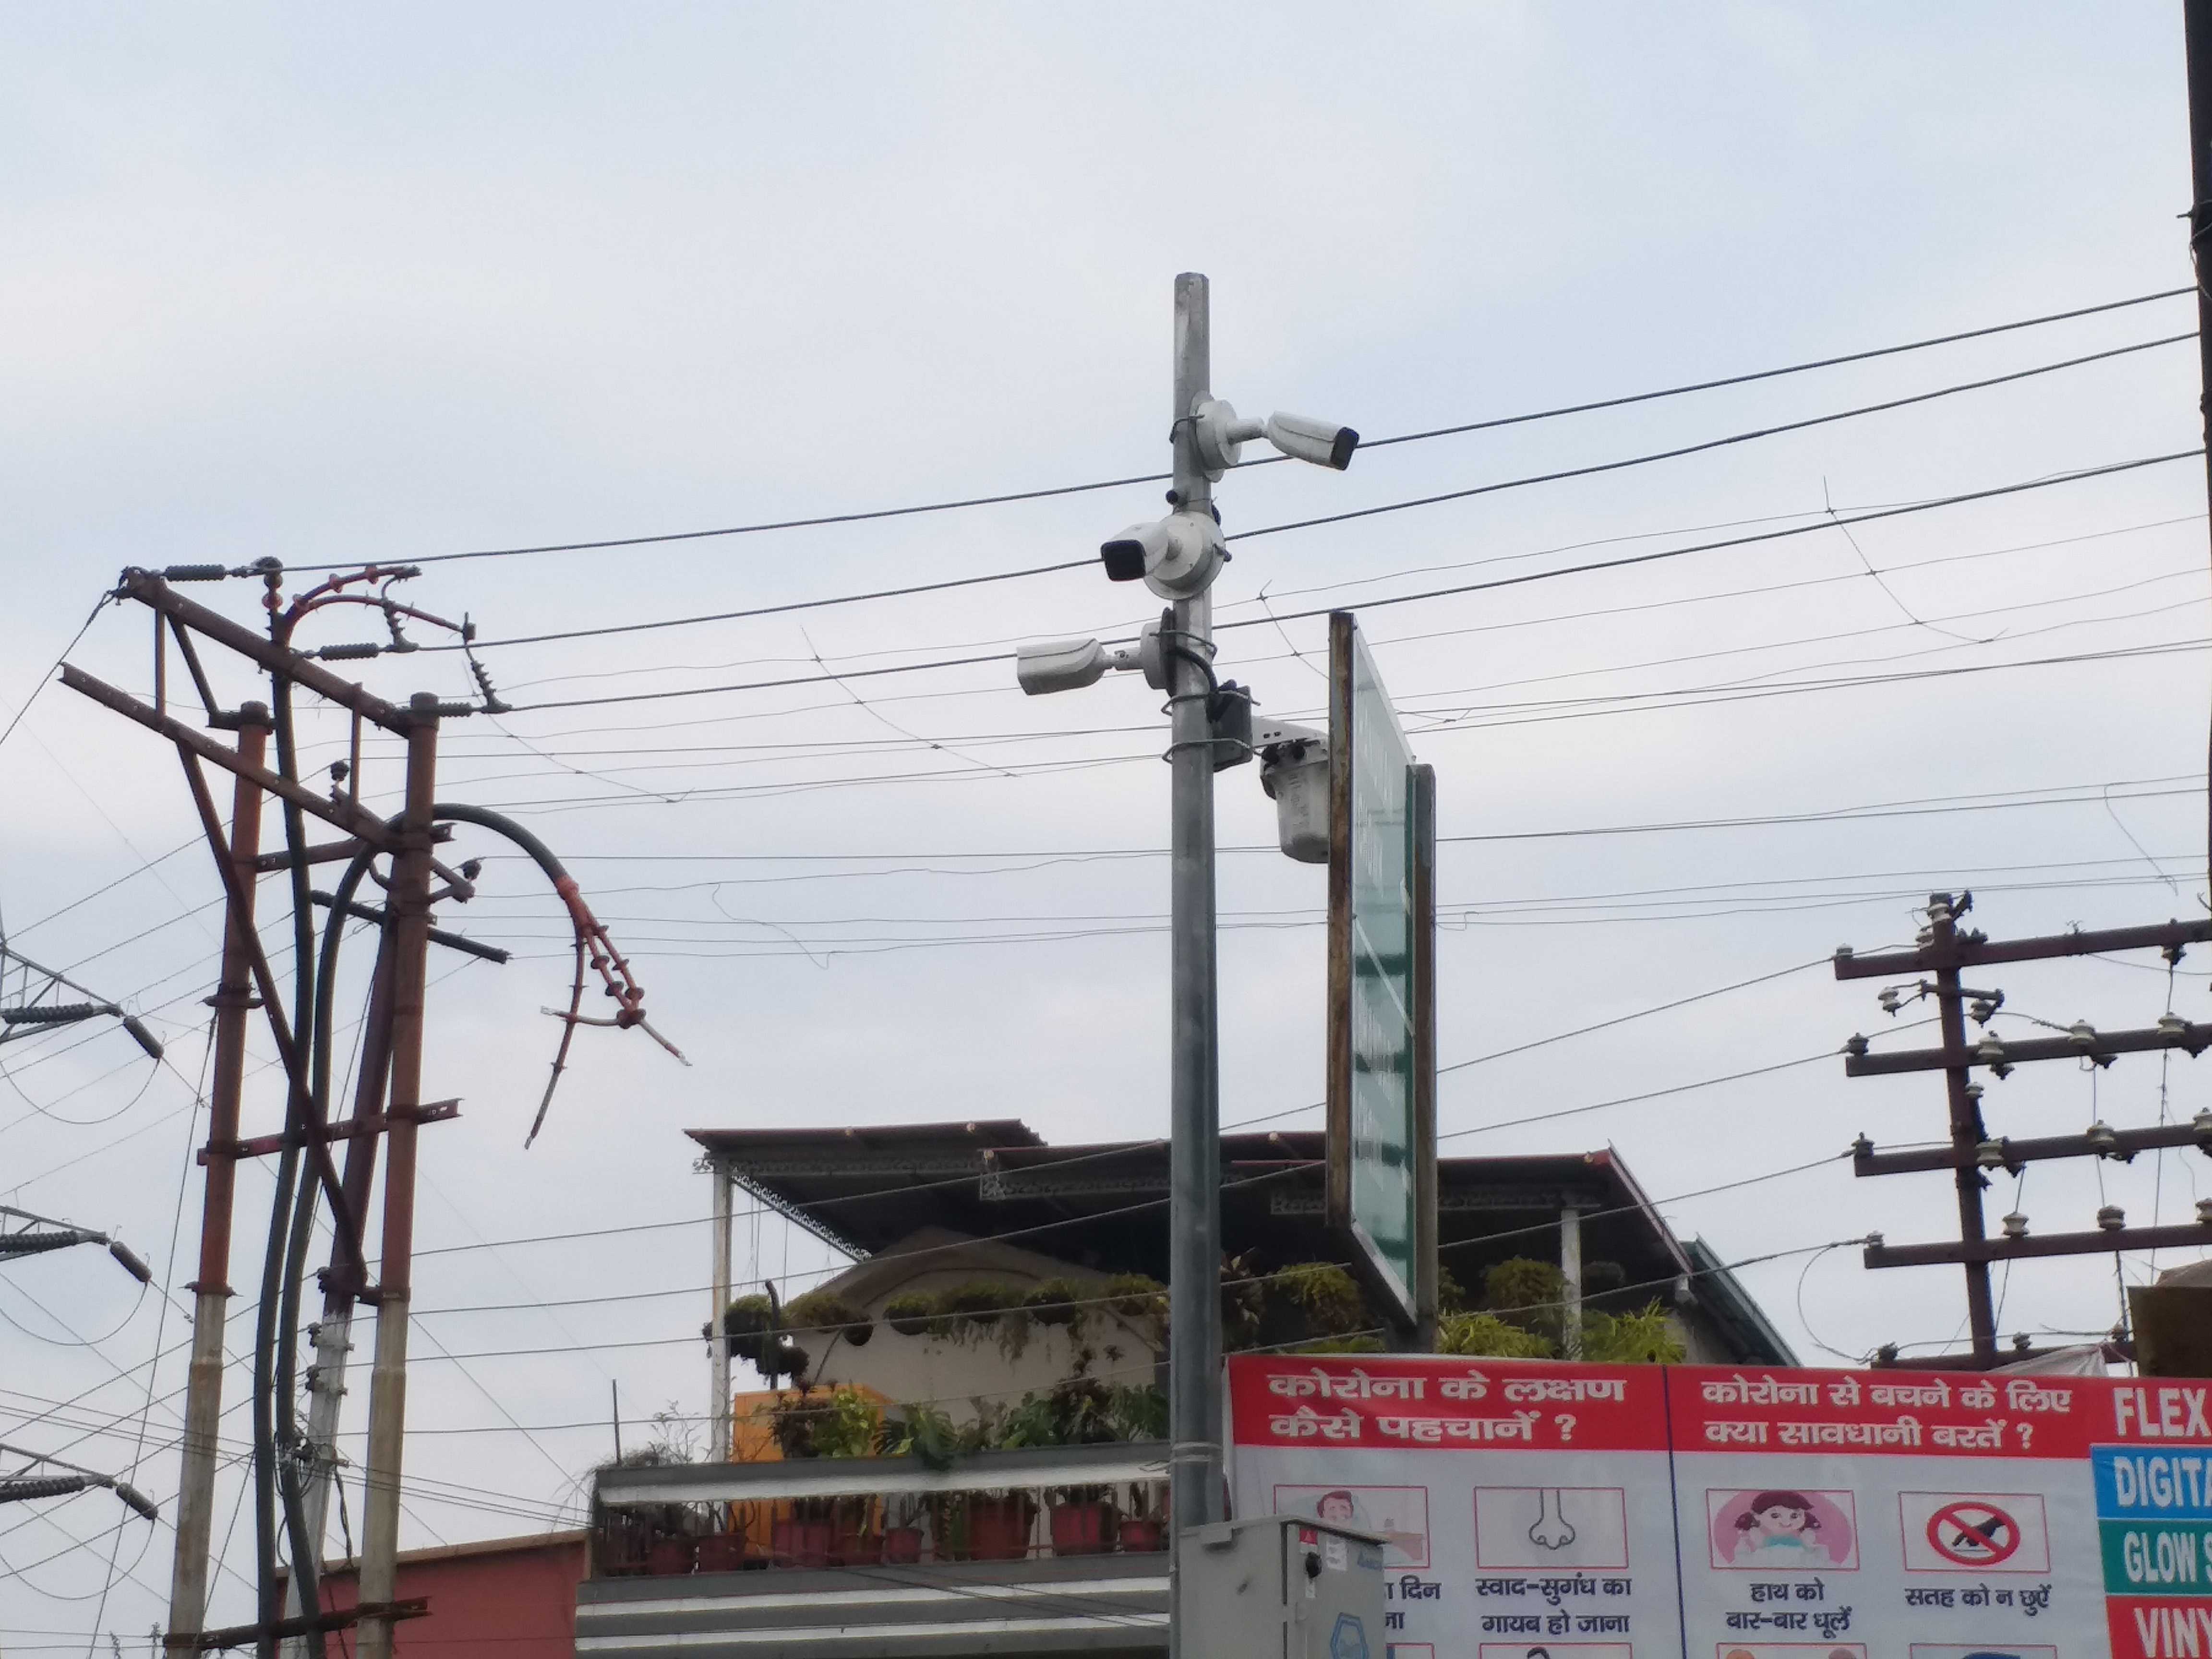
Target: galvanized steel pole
[(233, 1002), (387, 1382), (1193, 1096)]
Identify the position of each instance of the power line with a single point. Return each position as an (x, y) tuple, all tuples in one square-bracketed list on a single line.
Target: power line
[(1402, 598), (1621, 463), (1161, 477), (1682, 450)]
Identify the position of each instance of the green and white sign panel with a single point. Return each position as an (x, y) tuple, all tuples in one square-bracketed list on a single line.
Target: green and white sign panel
[(1379, 1054)]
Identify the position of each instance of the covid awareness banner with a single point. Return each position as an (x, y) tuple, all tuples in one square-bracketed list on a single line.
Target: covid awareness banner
[(1538, 1511)]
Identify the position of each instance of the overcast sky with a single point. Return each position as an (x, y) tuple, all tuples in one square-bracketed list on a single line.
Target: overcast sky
[(340, 286)]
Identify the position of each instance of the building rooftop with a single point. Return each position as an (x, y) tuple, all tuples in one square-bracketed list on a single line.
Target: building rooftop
[(1102, 1206)]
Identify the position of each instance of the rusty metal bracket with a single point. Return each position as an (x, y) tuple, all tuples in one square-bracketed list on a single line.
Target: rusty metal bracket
[(346, 1128), (352, 820), (237, 1635)]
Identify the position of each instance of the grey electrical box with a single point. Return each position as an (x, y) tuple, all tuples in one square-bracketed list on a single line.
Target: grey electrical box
[(1281, 1587)]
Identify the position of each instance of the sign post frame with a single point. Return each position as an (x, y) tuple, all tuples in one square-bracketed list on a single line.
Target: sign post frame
[(1381, 1163)]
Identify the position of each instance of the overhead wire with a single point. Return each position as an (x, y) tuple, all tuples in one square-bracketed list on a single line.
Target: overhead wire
[(1960, 498), (1007, 497)]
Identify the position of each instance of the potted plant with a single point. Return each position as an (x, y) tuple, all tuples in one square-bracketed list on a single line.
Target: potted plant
[(1057, 1302), (820, 1532), (909, 1313), (1078, 1411), (1144, 1527), (927, 1435), (829, 1314)]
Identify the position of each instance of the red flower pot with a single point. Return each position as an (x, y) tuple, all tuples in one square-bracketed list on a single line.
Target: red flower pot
[(1139, 1534), (1085, 1528), (668, 1557), (721, 1552), (999, 1527), (856, 1546), (903, 1544), (800, 1543)]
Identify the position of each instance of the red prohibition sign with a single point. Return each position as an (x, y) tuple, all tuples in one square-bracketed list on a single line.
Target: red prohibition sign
[(1973, 1532)]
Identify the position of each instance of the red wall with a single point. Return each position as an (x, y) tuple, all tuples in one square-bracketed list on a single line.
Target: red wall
[(506, 1600)]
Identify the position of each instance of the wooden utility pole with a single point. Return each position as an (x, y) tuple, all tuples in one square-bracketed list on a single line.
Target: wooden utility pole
[(1945, 950)]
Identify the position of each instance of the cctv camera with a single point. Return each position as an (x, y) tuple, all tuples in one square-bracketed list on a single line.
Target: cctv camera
[(1177, 556), (1059, 665), (1222, 434), (1319, 442)]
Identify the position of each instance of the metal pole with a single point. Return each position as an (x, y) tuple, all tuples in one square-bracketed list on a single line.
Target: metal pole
[(1967, 1132), (718, 1367), (2196, 33), (333, 1334), (1194, 1205), (233, 1001), (1570, 1270), (387, 1383)]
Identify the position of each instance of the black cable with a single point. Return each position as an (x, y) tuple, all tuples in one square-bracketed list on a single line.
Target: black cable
[(1405, 599), (1621, 464), (1707, 547), (1163, 477), (1682, 450)]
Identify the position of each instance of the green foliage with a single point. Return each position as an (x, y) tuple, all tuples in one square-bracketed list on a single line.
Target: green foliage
[(966, 1310), (1482, 1336), (1642, 1338), (1058, 1302), (1527, 1293), (849, 1427), (924, 1434), (827, 1312), (909, 1313), (1451, 1295), (841, 1423), (1369, 1344), (1139, 1412), (1326, 1294), (749, 1315), (1138, 1298)]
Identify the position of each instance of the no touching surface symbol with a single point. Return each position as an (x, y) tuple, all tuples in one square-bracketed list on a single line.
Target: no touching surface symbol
[(1973, 1532)]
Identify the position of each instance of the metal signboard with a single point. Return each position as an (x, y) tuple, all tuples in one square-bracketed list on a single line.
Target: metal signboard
[(1612, 1512), (1381, 911)]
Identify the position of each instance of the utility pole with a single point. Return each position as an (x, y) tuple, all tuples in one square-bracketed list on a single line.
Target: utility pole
[(233, 1002), (1177, 558), (2196, 33), (717, 1366), (391, 1048), (1945, 950), (409, 911), (1194, 1091)]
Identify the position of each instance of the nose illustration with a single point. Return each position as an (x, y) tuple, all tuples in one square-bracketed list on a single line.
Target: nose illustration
[(1552, 1531)]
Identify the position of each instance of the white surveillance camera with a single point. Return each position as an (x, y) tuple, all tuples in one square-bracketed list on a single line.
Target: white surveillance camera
[(1070, 665), (1177, 556), (1323, 442), (1222, 434), (1059, 665)]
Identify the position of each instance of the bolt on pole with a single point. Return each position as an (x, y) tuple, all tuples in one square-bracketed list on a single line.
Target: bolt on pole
[(1195, 1204)]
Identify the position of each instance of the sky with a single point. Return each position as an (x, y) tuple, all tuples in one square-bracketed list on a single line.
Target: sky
[(334, 287)]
